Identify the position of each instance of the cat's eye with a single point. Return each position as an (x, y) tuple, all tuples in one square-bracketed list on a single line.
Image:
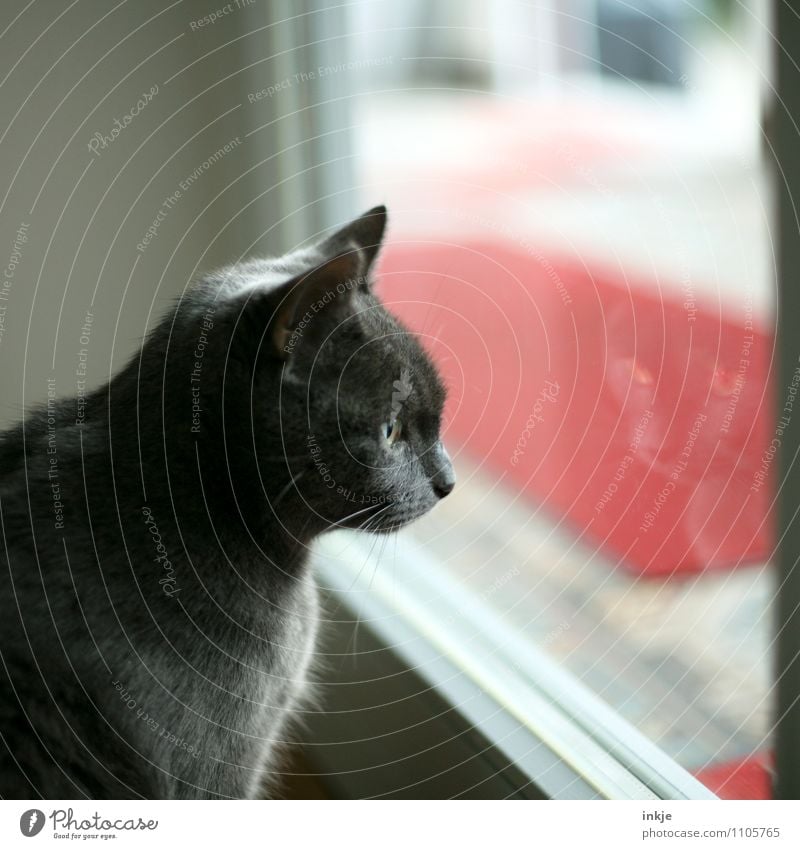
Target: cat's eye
[(392, 430)]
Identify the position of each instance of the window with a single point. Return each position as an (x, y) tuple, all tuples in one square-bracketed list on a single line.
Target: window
[(581, 210), (592, 227)]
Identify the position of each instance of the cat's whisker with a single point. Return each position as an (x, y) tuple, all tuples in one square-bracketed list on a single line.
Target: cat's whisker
[(367, 526), (377, 515), (378, 560), (354, 640), (340, 522), (286, 489), (305, 524), (366, 558)]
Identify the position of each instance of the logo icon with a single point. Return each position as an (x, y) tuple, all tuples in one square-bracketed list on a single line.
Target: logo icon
[(31, 822), (402, 389)]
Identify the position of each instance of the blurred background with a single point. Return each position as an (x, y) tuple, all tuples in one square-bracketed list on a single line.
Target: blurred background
[(580, 211), (581, 214)]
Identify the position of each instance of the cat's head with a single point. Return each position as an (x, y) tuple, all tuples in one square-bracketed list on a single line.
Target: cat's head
[(341, 403)]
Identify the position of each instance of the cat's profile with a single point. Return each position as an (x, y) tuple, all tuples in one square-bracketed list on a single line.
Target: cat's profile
[(157, 611)]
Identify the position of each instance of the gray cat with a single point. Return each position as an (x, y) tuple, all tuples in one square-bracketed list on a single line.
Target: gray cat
[(157, 611)]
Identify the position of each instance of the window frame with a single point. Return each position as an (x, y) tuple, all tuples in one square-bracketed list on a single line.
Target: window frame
[(782, 144), (509, 759), (561, 739)]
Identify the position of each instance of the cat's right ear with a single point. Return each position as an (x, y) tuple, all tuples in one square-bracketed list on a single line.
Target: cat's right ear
[(326, 289), (363, 236), (344, 262)]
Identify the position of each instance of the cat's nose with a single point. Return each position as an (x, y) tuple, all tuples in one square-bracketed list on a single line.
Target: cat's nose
[(443, 488), (444, 480)]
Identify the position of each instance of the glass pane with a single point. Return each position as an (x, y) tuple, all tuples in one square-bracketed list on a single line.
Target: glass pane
[(580, 229)]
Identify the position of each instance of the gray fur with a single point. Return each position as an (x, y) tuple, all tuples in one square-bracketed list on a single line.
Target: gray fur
[(156, 628)]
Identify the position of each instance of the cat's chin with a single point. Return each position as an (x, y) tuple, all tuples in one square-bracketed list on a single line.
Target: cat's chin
[(393, 529), (386, 524), (393, 524)]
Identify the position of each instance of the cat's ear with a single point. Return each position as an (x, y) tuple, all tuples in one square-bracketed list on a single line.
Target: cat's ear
[(328, 288), (363, 236)]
